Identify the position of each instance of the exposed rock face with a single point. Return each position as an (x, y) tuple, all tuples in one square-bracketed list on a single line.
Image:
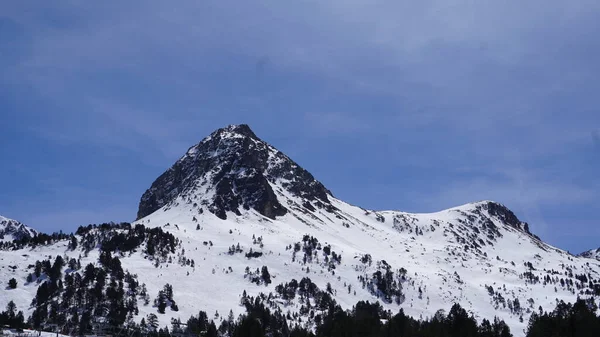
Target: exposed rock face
[(14, 230), (232, 169), (505, 215), (591, 254)]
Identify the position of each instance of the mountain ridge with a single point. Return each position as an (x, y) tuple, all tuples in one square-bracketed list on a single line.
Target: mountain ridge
[(591, 254), (243, 131), (235, 218), (14, 230)]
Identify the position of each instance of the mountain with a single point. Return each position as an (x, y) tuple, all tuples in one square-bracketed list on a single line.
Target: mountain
[(233, 169), (591, 254), (235, 218), (14, 230)]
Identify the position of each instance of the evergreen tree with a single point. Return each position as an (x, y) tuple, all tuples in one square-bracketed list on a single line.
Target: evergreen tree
[(152, 321), (212, 330), (265, 275), (12, 283)]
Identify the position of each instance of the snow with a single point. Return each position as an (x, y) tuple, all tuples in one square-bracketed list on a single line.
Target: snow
[(427, 258), (30, 333), (430, 246)]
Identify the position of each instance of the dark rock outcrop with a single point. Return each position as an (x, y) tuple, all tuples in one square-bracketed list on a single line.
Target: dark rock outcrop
[(506, 216), (232, 169), (591, 254)]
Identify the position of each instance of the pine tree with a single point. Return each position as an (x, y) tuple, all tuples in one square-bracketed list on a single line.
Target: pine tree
[(152, 321), (212, 330), (12, 283), (73, 243), (265, 275), (11, 309), (161, 302)]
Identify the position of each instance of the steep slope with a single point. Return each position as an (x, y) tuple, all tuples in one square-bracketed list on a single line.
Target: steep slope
[(14, 230), (237, 207), (230, 169), (466, 255)]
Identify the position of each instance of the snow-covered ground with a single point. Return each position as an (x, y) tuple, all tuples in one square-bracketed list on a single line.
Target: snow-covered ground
[(29, 333), (429, 246)]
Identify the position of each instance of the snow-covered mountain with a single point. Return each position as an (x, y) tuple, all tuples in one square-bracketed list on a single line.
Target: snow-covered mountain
[(14, 230), (591, 254), (238, 207), (233, 170)]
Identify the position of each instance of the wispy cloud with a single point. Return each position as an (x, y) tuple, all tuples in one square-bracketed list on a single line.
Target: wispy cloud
[(495, 99)]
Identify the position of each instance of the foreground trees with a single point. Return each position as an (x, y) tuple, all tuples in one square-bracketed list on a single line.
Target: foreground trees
[(577, 320)]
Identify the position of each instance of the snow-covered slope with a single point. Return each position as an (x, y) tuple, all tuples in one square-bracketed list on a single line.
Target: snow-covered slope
[(237, 204), (13, 229)]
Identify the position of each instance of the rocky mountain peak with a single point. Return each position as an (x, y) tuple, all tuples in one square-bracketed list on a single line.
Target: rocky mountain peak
[(14, 230), (232, 170), (238, 129), (507, 216), (591, 254)]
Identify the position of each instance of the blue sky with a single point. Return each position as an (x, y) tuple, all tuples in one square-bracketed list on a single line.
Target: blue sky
[(416, 106)]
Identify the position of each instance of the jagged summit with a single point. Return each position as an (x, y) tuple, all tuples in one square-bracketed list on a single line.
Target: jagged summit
[(504, 214), (591, 254), (14, 230), (233, 169), (238, 129)]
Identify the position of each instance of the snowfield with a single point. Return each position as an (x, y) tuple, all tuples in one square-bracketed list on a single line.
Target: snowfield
[(435, 260)]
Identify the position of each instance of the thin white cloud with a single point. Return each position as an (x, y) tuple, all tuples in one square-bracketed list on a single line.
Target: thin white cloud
[(388, 47), (485, 88)]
